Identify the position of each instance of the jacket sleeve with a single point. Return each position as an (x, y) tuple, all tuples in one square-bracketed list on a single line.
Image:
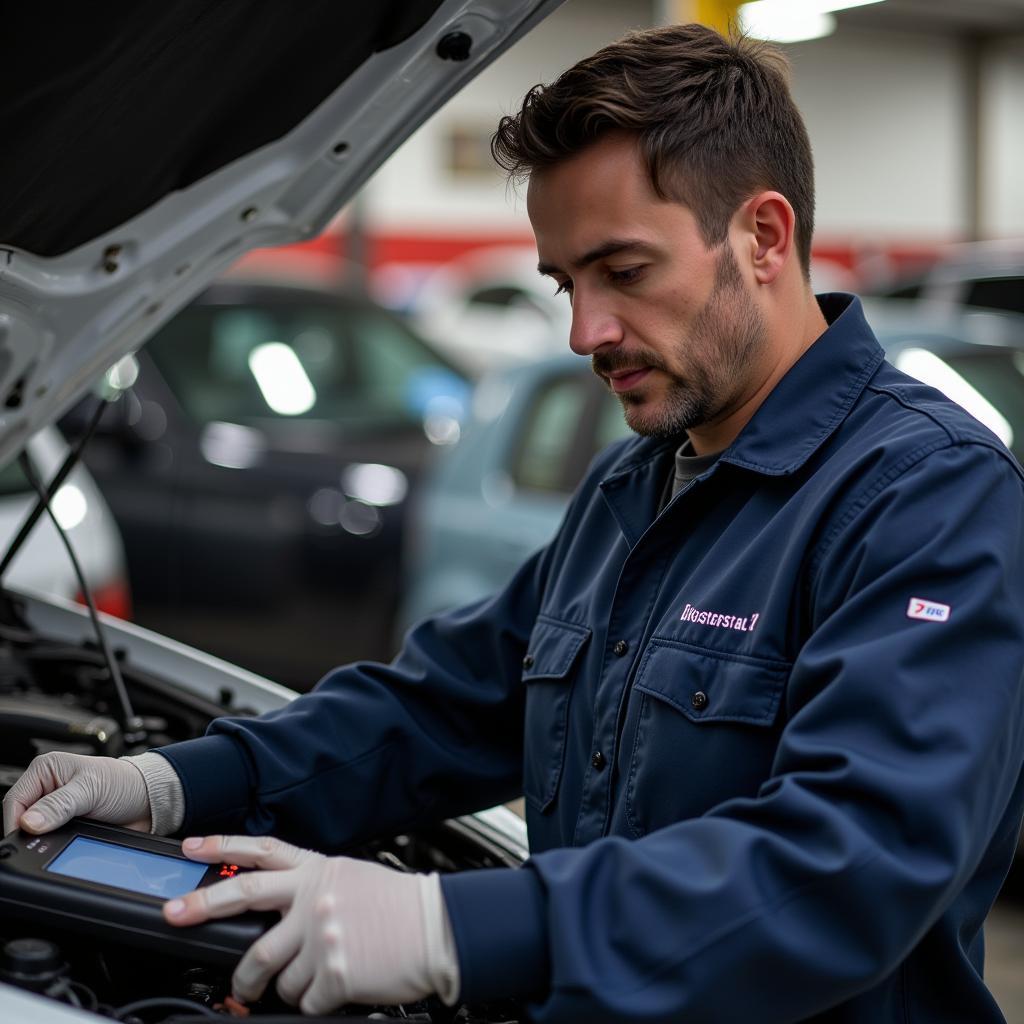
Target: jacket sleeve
[(377, 748), (897, 778)]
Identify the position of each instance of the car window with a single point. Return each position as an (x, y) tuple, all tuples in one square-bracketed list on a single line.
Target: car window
[(911, 290), (997, 293), (395, 371), (502, 297), (297, 361), (989, 385), (494, 295), (611, 424), (549, 436), (12, 480)]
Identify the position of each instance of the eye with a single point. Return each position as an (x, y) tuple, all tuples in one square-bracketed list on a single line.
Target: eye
[(626, 276), (565, 288)]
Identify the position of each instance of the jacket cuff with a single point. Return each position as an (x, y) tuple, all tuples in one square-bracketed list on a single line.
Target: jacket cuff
[(215, 780), (166, 797), (499, 920), (438, 941)]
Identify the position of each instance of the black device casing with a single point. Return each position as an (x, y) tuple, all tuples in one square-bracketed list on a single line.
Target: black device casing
[(30, 893)]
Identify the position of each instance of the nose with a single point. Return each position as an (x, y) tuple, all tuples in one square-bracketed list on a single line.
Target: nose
[(593, 325)]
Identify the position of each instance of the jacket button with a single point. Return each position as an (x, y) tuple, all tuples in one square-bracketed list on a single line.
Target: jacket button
[(597, 760), (620, 648), (528, 661), (699, 700)]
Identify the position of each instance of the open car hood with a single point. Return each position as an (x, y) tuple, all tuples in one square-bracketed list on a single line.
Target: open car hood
[(146, 148)]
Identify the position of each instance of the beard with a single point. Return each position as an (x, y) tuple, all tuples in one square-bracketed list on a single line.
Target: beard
[(727, 334)]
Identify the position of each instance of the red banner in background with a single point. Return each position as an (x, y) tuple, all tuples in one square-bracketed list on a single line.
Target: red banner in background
[(841, 263)]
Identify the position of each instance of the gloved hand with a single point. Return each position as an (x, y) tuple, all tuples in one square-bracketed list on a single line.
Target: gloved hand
[(351, 931), (57, 786)]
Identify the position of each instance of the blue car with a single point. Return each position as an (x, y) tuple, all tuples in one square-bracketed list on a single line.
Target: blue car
[(500, 493)]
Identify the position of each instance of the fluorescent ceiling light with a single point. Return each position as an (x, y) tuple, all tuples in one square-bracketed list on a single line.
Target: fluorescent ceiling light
[(834, 5), (792, 21), (930, 369), (281, 378)]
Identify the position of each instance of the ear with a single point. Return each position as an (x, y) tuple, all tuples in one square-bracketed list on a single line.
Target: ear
[(769, 225)]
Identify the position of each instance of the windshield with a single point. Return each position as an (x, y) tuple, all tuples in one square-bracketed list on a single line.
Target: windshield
[(299, 361), (988, 384), (12, 480)]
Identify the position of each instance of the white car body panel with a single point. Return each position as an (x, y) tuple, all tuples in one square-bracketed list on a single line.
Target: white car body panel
[(65, 320)]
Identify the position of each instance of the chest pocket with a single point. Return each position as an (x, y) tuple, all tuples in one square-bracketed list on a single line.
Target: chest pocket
[(704, 728), (548, 672)]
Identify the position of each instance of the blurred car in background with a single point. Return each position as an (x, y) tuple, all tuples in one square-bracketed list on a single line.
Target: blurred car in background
[(989, 275), (42, 564), (500, 494), (259, 464), (491, 308)]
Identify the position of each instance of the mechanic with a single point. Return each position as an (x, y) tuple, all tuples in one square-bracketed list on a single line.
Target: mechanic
[(763, 689)]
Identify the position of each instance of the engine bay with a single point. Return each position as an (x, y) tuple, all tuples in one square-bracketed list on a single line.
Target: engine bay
[(58, 695)]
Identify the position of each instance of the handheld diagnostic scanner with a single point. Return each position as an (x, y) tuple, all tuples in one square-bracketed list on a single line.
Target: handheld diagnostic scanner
[(109, 881)]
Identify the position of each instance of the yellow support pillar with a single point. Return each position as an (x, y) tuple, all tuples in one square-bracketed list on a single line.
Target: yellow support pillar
[(716, 14)]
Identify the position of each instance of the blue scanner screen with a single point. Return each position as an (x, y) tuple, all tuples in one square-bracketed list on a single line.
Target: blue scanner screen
[(123, 867)]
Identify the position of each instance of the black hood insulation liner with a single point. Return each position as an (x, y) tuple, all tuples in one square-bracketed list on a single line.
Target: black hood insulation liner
[(104, 113)]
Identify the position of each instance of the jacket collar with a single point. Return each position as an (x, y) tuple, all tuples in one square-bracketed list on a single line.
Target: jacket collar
[(814, 396), (799, 415)]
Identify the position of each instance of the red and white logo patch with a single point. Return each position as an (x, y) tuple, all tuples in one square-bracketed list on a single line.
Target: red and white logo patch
[(930, 611)]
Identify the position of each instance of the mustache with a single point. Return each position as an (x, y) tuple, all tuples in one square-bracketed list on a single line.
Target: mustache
[(606, 363)]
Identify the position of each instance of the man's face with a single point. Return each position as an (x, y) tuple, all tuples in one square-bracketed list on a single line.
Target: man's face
[(668, 323)]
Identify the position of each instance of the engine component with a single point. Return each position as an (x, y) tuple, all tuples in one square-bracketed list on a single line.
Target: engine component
[(34, 964)]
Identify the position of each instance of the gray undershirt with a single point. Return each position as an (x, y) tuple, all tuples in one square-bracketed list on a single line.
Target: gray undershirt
[(686, 466)]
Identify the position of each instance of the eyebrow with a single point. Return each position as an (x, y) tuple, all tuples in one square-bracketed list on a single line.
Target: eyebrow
[(610, 248)]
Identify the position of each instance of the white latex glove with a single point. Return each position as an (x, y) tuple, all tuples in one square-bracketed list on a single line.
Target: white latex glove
[(57, 786), (351, 931)]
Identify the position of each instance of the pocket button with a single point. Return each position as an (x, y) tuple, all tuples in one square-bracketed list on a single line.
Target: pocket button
[(528, 662), (699, 700)]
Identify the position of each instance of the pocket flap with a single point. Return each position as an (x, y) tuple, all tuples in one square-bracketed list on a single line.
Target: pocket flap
[(712, 686), (553, 649)]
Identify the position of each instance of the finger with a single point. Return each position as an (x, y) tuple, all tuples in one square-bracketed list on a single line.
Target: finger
[(329, 987), (68, 801), (13, 810), (34, 782), (248, 851), (294, 981), (19, 798), (296, 977), (264, 958), (255, 890)]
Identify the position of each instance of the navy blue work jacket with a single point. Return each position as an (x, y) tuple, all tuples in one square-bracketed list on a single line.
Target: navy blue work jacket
[(770, 738)]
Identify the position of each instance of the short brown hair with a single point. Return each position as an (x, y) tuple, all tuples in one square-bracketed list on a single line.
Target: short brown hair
[(714, 119)]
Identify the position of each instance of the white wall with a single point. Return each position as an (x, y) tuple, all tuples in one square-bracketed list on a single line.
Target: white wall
[(886, 113), (413, 190), (1003, 132), (887, 122)]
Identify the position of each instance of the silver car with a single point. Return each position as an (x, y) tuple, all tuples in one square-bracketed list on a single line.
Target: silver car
[(145, 149)]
